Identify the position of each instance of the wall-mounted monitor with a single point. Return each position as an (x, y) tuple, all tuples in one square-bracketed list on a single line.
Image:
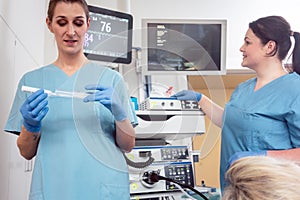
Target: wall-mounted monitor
[(109, 37), (184, 46)]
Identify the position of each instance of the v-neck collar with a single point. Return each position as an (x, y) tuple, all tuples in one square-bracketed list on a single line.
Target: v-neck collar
[(73, 74), (266, 85)]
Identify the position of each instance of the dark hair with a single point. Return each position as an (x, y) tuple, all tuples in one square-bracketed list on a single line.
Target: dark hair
[(53, 3), (277, 29)]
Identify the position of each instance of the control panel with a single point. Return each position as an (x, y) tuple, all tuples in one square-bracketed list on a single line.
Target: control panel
[(161, 103), (173, 162), (182, 173)]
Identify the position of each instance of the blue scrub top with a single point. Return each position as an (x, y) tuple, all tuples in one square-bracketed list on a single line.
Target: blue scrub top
[(266, 119), (77, 155)]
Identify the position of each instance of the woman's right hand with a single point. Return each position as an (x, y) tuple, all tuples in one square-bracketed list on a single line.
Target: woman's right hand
[(188, 95), (109, 98), (33, 110)]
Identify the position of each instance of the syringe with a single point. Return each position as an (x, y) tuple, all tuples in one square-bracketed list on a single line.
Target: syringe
[(57, 93)]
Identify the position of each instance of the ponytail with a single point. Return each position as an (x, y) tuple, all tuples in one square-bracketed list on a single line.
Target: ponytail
[(296, 53)]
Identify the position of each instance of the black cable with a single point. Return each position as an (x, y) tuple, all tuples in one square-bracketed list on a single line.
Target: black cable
[(154, 177)]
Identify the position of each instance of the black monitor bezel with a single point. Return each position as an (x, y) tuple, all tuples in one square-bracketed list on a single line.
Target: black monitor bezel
[(122, 15)]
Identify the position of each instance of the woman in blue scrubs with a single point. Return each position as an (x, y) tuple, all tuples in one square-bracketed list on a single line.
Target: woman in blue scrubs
[(77, 143), (263, 114)]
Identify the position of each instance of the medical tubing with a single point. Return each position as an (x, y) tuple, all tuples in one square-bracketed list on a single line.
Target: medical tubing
[(154, 177), (184, 192), (139, 165)]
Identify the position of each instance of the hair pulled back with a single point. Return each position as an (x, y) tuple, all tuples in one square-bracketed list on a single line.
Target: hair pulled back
[(277, 29)]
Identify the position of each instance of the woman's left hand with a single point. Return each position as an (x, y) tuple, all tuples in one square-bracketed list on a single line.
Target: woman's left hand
[(107, 97)]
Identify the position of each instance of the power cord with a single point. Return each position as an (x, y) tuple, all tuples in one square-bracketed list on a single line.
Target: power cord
[(154, 177)]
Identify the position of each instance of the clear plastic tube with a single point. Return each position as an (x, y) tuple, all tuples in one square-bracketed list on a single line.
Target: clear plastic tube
[(58, 93)]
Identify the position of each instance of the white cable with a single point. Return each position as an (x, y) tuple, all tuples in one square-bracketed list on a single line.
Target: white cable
[(183, 191)]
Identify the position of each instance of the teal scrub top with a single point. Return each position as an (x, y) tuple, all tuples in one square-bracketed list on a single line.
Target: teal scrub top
[(77, 157), (266, 119)]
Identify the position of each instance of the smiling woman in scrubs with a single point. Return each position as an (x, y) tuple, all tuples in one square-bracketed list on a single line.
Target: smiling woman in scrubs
[(77, 143), (263, 114)]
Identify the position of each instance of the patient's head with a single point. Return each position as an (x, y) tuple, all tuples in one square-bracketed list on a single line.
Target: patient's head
[(263, 178)]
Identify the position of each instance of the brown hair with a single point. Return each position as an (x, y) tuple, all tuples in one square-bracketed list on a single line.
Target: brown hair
[(53, 3), (277, 29)]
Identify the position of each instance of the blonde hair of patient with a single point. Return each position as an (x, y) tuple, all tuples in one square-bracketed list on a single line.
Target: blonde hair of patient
[(262, 178)]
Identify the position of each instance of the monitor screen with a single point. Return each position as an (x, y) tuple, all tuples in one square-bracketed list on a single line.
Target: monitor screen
[(187, 47), (109, 37)]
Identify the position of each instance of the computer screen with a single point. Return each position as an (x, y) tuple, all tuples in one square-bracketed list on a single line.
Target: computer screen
[(109, 37), (184, 46)]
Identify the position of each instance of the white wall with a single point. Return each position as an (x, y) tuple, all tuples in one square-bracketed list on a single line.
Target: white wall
[(21, 49)]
